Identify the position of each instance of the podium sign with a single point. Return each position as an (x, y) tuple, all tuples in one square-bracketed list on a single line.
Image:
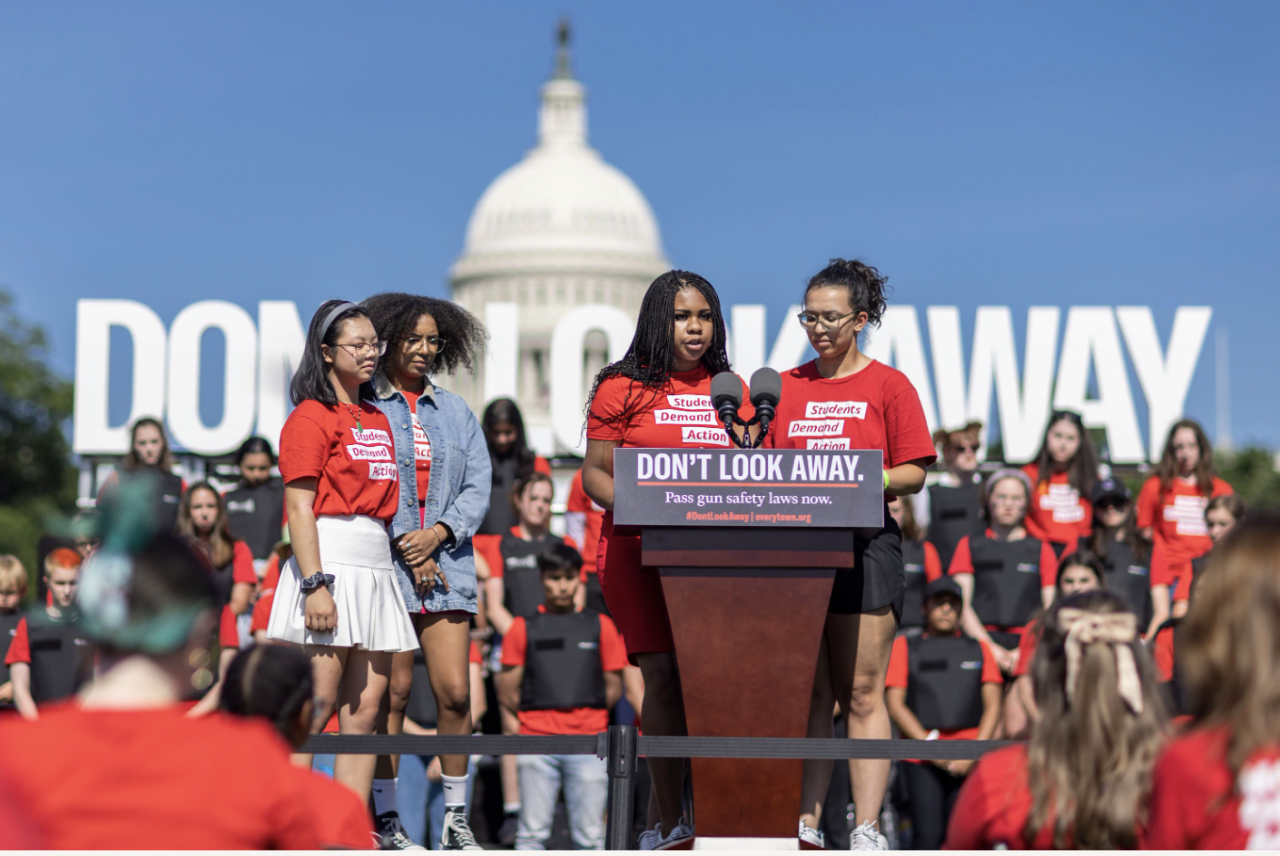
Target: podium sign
[(810, 489)]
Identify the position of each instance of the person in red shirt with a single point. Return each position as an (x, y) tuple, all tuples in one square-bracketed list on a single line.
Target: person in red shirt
[(582, 521), (511, 459), (1006, 574), (202, 514), (1077, 571), (13, 587), (941, 685), (338, 596), (1216, 785), (122, 767), (1062, 478), (1171, 508), (843, 399), (1083, 778), (657, 396), (561, 689), (921, 563), (49, 656)]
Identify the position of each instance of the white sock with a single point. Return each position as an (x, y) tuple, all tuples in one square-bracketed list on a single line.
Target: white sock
[(384, 795), (455, 791), (511, 808)]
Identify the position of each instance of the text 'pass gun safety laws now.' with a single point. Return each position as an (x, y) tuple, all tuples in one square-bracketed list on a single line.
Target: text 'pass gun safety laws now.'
[(813, 488)]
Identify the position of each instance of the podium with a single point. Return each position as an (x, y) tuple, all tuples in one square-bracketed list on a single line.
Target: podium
[(747, 543)]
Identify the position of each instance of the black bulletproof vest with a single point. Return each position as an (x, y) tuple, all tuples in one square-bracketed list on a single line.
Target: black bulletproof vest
[(1006, 580), (944, 681), (256, 515), (954, 512), (522, 583), (61, 657), (501, 516), (223, 580), (562, 667), (1175, 690), (1129, 578), (913, 599), (422, 701), (8, 627)]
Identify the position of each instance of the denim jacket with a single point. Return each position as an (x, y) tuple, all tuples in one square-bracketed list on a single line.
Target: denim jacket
[(457, 494)]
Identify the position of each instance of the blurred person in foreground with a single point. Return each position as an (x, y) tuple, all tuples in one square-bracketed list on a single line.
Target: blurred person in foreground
[(1217, 786), (121, 767), (1083, 778)]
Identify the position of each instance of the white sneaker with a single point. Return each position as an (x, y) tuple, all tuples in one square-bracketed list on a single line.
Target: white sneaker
[(867, 837), (812, 837), (650, 838), (679, 833)]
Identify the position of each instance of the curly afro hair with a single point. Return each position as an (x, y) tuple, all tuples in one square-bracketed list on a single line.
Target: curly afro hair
[(395, 315)]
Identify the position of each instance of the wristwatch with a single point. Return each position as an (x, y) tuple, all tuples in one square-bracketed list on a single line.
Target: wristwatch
[(315, 581)]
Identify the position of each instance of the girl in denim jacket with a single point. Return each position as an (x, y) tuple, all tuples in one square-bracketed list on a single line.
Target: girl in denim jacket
[(444, 495)]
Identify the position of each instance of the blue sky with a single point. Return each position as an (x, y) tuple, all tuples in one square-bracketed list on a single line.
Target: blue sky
[(980, 153)]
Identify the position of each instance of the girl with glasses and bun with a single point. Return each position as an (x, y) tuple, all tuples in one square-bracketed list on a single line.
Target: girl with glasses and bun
[(875, 407), (679, 345), (338, 595), (1171, 508), (1084, 777), (1005, 573), (951, 508), (444, 494), (1216, 784), (1062, 477)]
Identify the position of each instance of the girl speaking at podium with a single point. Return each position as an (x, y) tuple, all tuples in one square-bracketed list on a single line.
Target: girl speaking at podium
[(657, 396), (843, 399)]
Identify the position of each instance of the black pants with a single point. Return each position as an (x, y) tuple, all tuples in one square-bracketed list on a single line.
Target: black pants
[(933, 795)]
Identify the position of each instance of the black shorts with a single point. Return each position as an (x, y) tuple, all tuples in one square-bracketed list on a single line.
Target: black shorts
[(877, 578)]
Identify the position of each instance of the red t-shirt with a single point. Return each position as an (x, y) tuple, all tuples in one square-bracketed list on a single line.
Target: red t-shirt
[(421, 446), (1163, 653), (899, 671), (1058, 512), (228, 631), (962, 563), (679, 416), (1195, 804), (583, 519), (877, 408), (1177, 520), (993, 806), (355, 468), (576, 720), (19, 645), (342, 818), (473, 653), (156, 779), (262, 608), (242, 564), (932, 562), (1027, 649)]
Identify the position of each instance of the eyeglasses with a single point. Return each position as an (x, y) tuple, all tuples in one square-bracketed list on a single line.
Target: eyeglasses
[(1112, 502), (359, 350), (809, 320), (434, 343)]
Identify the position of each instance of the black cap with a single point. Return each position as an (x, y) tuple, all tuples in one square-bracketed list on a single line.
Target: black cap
[(943, 585), (1109, 487)]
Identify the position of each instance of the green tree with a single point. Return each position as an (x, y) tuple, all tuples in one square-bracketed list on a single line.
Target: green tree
[(37, 481), (1252, 473)]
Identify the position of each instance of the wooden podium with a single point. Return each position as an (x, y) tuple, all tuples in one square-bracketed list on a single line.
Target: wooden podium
[(747, 596)]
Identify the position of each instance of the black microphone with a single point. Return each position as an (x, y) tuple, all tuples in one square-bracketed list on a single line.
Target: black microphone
[(726, 398), (766, 390)]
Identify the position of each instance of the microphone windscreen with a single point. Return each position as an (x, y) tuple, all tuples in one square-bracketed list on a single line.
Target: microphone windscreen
[(726, 387), (766, 387)]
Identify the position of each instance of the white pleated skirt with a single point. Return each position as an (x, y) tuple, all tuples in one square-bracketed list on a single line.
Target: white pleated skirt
[(371, 610)]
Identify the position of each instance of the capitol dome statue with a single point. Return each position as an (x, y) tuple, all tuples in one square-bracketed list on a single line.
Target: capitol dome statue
[(560, 229)]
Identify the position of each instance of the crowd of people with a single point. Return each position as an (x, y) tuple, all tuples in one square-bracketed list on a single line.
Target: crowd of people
[(400, 576)]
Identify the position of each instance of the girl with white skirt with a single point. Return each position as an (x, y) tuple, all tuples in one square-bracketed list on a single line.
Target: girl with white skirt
[(338, 596)]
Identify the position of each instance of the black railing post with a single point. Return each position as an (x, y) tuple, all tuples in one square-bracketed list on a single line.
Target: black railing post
[(622, 786)]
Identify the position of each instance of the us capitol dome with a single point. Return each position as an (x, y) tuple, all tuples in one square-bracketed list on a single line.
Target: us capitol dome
[(560, 229)]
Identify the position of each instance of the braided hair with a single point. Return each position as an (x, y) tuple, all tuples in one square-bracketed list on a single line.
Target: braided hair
[(651, 357), (395, 315), (270, 681)]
